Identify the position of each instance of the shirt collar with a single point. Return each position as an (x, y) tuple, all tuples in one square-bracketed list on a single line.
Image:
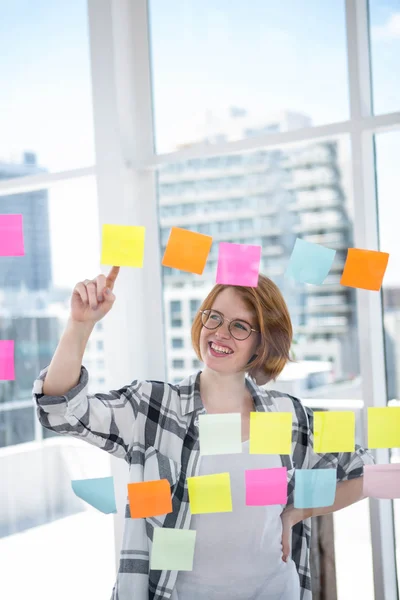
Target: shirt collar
[(189, 389)]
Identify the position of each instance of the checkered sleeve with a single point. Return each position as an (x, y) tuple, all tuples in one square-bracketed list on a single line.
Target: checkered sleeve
[(104, 420), (349, 465)]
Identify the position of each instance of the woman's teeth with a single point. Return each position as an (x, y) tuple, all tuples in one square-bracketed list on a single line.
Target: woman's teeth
[(220, 349)]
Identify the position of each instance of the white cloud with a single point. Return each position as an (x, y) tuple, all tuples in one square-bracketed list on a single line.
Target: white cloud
[(390, 30)]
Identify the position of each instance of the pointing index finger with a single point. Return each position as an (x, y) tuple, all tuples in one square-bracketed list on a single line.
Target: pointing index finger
[(112, 276)]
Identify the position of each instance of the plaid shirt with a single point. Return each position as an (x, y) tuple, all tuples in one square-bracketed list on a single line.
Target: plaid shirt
[(154, 426)]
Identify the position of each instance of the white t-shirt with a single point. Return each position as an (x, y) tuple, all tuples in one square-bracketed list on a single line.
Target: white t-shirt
[(238, 555)]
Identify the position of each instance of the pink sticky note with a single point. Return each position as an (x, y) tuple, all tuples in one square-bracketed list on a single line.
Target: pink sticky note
[(266, 486), (11, 236), (382, 481), (238, 264), (7, 372)]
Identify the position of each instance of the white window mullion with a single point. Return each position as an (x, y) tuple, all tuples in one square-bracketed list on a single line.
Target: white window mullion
[(369, 304), (123, 136)]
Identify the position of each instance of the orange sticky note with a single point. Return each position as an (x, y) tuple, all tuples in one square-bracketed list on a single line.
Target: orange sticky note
[(187, 250), (149, 498), (364, 269)]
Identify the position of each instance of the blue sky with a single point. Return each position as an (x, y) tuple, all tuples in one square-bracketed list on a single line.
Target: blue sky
[(207, 56)]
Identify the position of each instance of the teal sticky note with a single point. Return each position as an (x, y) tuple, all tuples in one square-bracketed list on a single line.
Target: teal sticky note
[(98, 492), (173, 549), (220, 434), (314, 488), (309, 262)]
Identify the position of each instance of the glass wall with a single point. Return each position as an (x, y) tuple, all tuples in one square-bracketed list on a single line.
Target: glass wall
[(214, 64)]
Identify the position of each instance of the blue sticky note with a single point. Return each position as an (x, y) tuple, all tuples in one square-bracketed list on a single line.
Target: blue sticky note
[(309, 262), (314, 488), (97, 492)]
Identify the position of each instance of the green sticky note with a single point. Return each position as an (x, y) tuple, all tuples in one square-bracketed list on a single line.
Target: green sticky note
[(172, 550), (334, 431), (220, 434), (384, 427), (210, 493), (270, 433), (123, 245)]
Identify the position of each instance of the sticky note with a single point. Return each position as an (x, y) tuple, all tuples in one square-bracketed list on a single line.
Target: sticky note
[(172, 549), (384, 427), (309, 262), (7, 370), (238, 264), (11, 235), (98, 492), (187, 250), (210, 493), (220, 434), (149, 498), (123, 245), (382, 481), (364, 269), (314, 488), (265, 487), (270, 433), (334, 431)]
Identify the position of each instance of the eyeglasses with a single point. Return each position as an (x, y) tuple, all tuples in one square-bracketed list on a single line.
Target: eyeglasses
[(240, 330)]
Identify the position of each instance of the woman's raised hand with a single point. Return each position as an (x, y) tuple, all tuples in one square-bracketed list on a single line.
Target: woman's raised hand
[(92, 299)]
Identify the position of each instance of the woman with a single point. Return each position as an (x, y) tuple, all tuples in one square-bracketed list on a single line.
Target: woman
[(259, 553)]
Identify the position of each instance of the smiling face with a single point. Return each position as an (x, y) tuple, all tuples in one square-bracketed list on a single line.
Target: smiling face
[(220, 351)]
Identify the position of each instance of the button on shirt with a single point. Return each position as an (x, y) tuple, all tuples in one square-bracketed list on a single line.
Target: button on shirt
[(153, 425)]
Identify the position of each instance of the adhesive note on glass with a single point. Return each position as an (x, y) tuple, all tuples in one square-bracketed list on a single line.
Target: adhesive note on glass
[(123, 245), (98, 492), (11, 235), (364, 269), (270, 433), (266, 486), (172, 549), (210, 493), (334, 431), (220, 434), (149, 498), (187, 250), (382, 481), (384, 427), (309, 262), (314, 488), (7, 368), (238, 264)]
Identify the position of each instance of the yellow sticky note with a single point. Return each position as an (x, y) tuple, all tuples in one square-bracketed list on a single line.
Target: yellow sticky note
[(270, 433), (210, 493), (122, 245), (384, 427), (334, 431)]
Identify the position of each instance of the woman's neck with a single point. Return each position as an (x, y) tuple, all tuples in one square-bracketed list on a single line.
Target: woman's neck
[(224, 393)]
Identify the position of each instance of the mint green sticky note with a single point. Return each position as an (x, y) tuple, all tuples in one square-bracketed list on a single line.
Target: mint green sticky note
[(98, 492), (173, 549), (220, 434), (309, 262)]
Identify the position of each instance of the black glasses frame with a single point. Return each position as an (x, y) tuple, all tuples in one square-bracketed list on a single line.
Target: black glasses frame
[(222, 319)]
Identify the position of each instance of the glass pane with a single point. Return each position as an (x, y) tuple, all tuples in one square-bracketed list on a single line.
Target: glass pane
[(385, 54), (388, 181), (45, 101), (270, 197), (40, 517), (231, 70)]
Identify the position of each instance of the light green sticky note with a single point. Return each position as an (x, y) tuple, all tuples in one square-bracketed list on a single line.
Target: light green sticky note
[(220, 434), (270, 432), (123, 245), (173, 549)]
